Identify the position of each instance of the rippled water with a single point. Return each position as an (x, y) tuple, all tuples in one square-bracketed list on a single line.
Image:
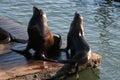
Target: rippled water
[(101, 21)]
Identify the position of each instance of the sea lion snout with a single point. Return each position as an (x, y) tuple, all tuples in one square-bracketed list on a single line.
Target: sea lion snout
[(78, 16), (39, 12)]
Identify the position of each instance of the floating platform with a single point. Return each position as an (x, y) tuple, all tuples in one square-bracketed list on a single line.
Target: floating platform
[(15, 67)]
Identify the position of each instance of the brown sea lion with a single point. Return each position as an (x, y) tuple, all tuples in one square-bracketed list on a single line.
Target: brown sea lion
[(6, 37), (41, 39), (80, 51)]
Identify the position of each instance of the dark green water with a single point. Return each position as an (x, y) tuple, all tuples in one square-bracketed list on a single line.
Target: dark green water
[(101, 21)]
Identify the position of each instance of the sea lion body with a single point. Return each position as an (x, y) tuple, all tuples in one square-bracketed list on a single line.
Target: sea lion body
[(76, 43), (40, 39), (75, 35), (6, 37), (38, 32)]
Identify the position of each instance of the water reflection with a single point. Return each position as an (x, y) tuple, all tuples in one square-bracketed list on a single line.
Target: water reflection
[(104, 19), (87, 75), (107, 21), (83, 1)]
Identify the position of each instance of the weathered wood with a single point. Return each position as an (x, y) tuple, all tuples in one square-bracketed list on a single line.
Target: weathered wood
[(42, 69), (15, 67)]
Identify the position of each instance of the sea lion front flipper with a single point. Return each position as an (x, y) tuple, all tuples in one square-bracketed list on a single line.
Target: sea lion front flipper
[(19, 51), (13, 39), (25, 53), (20, 41), (57, 41)]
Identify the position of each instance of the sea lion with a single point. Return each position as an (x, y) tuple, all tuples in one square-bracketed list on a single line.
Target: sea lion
[(6, 37), (79, 48), (75, 32), (40, 39)]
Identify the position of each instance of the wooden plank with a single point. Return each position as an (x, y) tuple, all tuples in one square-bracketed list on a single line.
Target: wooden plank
[(17, 30)]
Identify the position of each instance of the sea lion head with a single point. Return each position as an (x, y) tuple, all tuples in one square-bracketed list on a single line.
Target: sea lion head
[(38, 23), (77, 23), (4, 36), (39, 13)]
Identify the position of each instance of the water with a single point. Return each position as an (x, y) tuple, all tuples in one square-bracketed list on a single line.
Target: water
[(101, 21)]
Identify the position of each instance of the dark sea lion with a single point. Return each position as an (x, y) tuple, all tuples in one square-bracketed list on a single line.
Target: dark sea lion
[(41, 39), (6, 37), (78, 46), (75, 32)]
